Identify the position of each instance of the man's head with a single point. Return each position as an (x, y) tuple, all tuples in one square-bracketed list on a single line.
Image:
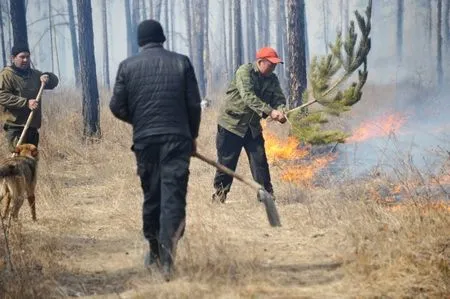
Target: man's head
[(20, 56), (267, 59), (150, 31)]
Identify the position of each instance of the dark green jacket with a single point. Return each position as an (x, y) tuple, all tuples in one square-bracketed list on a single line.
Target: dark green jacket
[(16, 88), (249, 98)]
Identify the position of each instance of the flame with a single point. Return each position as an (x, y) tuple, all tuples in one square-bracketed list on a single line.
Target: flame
[(297, 167), (378, 127)]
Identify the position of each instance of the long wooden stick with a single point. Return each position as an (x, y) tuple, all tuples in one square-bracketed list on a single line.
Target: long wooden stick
[(30, 117), (228, 171)]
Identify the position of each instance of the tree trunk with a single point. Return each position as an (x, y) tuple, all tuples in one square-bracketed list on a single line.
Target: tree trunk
[(198, 46), (150, 9), (135, 17), (129, 28), (266, 23), (429, 21), (224, 39), (237, 28), (105, 46), (259, 23), (281, 38), (91, 115), (440, 72), (73, 37), (207, 59), (50, 24), (19, 22), (325, 12), (346, 18), (172, 21), (446, 25), (400, 14), (2, 37), (251, 35), (187, 8), (158, 8), (166, 20), (230, 39), (296, 49)]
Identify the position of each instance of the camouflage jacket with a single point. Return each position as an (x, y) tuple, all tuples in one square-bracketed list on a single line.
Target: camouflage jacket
[(16, 88), (249, 98)]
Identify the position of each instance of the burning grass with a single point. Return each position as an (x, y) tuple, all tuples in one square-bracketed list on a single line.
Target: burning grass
[(340, 241)]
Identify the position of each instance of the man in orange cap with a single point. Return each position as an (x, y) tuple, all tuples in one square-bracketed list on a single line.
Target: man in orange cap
[(254, 93)]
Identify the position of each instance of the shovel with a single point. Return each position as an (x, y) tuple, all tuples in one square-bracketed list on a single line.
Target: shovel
[(263, 195), (30, 117)]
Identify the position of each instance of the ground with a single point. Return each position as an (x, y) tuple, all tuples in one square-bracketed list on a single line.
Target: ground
[(334, 242)]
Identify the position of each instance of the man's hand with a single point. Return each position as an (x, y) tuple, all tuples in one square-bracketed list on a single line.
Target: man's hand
[(33, 104), (44, 78), (278, 116)]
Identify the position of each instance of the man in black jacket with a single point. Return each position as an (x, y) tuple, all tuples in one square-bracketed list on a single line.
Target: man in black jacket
[(156, 91)]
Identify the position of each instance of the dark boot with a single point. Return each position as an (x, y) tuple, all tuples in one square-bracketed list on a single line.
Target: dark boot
[(152, 258), (166, 263), (219, 196)]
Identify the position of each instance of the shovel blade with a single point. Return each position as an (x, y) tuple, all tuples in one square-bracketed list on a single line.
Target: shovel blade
[(271, 209)]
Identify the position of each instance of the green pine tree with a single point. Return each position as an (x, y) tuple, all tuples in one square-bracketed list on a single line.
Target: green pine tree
[(326, 76)]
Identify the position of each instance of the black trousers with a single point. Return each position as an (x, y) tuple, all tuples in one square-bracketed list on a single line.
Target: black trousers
[(229, 147), (163, 168), (13, 136)]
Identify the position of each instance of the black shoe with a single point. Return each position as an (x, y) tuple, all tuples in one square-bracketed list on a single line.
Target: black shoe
[(152, 256), (151, 259), (219, 196), (167, 271)]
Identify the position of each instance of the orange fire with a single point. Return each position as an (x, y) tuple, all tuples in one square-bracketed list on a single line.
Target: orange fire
[(378, 127), (290, 157)]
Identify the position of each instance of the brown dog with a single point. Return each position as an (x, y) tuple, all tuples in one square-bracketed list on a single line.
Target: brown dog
[(17, 180)]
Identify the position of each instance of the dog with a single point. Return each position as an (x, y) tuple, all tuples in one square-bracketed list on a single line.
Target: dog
[(18, 180)]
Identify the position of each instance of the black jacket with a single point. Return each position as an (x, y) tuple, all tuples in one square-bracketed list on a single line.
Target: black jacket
[(157, 92)]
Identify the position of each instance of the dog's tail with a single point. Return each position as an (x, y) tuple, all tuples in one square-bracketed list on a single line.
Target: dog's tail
[(8, 170)]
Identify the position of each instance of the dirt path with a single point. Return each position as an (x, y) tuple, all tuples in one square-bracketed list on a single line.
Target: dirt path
[(228, 251)]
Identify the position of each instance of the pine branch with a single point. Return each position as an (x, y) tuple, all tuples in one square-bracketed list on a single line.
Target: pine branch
[(345, 59)]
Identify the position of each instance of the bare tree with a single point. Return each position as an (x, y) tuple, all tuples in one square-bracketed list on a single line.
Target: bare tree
[(446, 24), (167, 25), (429, 24), (251, 37), (135, 18), (150, 9), (296, 51), (206, 52), (346, 19), (128, 23), (19, 22), (237, 28), (400, 14), (325, 13), (440, 72), (224, 38), (105, 46), (50, 23), (2, 36), (230, 39), (198, 44), (280, 15), (73, 37), (90, 107), (158, 9), (187, 8)]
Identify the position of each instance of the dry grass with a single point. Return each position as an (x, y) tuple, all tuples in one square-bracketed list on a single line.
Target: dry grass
[(335, 242)]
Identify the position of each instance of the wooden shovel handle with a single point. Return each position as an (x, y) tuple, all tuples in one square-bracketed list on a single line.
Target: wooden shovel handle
[(30, 117)]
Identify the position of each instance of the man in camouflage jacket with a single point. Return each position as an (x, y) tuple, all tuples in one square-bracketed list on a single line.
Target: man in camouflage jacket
[(254, 93), (19, 86)]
